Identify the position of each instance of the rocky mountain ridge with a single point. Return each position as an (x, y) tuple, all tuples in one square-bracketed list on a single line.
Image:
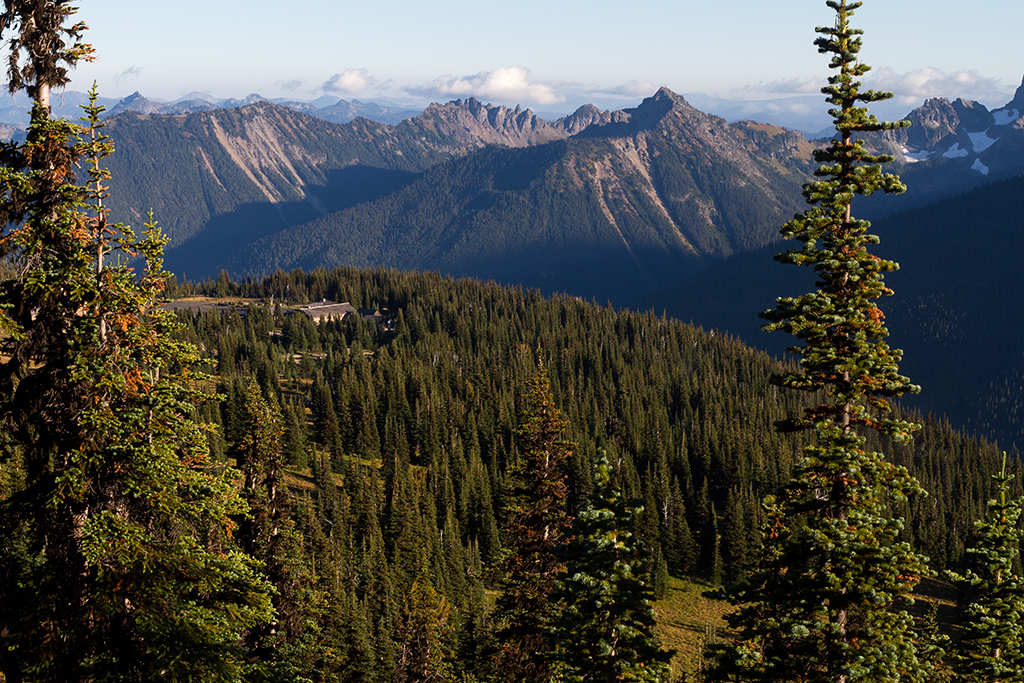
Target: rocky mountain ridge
[(988, 143), (462, 125), (632, 202), (661, 178)]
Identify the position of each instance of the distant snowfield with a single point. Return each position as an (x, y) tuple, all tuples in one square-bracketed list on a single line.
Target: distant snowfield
[(955, 152), (980, 141), (1005, 117), (980, 167), (914, 157)]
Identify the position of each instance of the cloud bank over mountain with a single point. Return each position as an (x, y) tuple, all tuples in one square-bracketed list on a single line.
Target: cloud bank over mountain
[(349, 82), (509, 83), (909, 88)]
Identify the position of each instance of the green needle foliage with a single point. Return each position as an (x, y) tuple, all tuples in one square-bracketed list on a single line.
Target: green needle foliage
[(825, 604), (42, 48), (992, 647), (604, 630), (116, 557), (536, 521)]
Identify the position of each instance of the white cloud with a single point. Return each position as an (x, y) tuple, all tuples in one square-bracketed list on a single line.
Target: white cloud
[(129, 74), (909, 88), (634, 89), (349, 81), (792, 86), (507, 84), (293, 84), (913, 86)]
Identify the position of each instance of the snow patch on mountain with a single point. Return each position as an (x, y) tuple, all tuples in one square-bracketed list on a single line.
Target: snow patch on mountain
[(980, 141), (914, 157), (979, 167), (955, 151), (1005, 117)]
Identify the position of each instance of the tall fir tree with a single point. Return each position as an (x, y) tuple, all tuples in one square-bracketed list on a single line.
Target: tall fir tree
[(537, 519), (426, 643), (826, 601), (604, 628), (282, 649), (992, 647), (116, 557)]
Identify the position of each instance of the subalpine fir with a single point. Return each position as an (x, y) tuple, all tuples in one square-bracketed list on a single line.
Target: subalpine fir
[(826, 602)]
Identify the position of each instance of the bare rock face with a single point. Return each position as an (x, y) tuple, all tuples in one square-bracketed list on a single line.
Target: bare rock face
[(589, 115), (930, 123), (973, 115), (653, 112), (464, 125)]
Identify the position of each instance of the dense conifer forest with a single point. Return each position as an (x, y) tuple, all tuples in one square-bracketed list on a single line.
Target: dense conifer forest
[(410, 436), (476, 483)]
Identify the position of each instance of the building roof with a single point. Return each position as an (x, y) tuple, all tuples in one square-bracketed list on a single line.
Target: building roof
[(324, 309)]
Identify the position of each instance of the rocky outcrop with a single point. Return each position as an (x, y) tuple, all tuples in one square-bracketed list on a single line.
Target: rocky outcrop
[(646, 116), (135, 102), (930, 123), (589, 115), (463, 125), (973, 115)]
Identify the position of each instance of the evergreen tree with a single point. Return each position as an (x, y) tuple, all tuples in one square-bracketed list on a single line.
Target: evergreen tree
[(48, 47), (604, 629), (992, 647), (127, 560), (278, 650), (425, 637), (825, 602), (116, 559), (932, 645), (537, 519)]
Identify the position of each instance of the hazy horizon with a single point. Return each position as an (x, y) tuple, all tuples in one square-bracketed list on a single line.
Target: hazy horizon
[(539, 55)]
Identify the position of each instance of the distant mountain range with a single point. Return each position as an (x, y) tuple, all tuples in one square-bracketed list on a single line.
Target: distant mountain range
[(15, 115), (953, 146), (616, 205), (330, 109), (659, 206), (465, 188), (629, 204)]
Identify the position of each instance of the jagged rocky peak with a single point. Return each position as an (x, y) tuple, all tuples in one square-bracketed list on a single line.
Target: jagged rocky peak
[(974, 116), (929, 124), (589, 115), (645, 116), (135, 102), (649, 112), (497, 115), (664, 94), (474, 124)]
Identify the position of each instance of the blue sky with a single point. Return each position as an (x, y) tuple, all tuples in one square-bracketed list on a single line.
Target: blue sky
[(550, 55)]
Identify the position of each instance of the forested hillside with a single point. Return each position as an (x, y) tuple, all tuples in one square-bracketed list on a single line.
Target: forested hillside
[(411, 437), (955, 312)]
